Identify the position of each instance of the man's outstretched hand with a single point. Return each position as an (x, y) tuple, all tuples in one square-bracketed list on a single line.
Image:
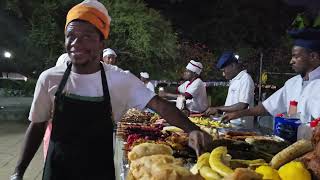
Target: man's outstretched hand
[(200, 141), (211, 111), (227, 117)]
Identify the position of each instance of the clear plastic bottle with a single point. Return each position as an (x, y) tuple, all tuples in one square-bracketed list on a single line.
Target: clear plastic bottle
[(305, 130)]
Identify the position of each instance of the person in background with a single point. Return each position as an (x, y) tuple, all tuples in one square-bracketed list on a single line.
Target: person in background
[(145, 78), (193, 90), (109, 56), (84, 101), (303, 88), (241, 90)]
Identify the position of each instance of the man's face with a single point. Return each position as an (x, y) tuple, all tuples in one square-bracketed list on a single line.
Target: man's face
[(187, 75), (110, 59), (229, 71), (143, 79), (83, 43), (300, 60)]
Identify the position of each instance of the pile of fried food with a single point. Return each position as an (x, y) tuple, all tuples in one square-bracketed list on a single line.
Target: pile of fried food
[(150, 161), (268, 144), (312, 159), (135, 134), (136, 116)]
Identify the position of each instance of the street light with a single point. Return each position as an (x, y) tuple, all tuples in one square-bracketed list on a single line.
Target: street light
[(7, 54)]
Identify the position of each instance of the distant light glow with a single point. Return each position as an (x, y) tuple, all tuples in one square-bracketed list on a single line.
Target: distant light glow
[(7, 54), (237, 56)]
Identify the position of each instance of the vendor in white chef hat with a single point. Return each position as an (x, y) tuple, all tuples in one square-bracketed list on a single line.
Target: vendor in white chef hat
[(193, 90), (145, 78), (109, 56)]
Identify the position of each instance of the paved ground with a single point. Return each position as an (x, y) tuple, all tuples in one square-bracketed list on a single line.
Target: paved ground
[(15, 101), (11, 138)]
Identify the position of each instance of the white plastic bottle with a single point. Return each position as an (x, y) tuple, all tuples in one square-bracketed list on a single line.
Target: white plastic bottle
[(305, 130)]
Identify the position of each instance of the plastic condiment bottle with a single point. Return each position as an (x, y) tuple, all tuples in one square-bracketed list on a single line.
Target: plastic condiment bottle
[(305, 130), (314, 123), (293, 109)]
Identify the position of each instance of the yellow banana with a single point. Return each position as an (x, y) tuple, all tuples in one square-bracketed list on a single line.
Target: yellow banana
[(203, 160), (208, 174), (215, 161)]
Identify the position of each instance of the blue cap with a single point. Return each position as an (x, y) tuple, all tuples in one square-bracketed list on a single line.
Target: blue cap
[(226, 58), (308, 38)]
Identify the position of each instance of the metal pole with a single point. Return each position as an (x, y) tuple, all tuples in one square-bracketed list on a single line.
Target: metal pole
[(260, 76)]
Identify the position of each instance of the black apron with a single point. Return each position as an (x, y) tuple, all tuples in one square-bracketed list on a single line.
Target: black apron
[(81, 140)]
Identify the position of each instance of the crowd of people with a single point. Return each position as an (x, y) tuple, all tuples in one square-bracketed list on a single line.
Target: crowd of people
[(77, 102)]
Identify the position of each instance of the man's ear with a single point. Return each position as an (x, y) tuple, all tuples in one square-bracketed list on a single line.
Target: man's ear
[(315, 57)]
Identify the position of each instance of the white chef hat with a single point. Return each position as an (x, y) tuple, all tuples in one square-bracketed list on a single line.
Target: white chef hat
[(144, 75), (195, 67), (109, 51)]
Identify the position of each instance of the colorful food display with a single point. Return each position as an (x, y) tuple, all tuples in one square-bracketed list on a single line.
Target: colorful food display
[(155, 150)]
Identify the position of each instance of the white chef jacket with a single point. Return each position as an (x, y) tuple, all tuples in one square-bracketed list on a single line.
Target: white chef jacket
[(199, 101), (150, 86), (306, 93), (241, 89)]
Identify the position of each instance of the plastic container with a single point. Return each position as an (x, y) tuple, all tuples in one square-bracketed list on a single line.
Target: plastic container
[(286, 128), (305, 130), (180, 103)]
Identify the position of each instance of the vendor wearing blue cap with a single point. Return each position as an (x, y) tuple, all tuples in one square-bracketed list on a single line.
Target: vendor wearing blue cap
[(241, 89), (303, 88)]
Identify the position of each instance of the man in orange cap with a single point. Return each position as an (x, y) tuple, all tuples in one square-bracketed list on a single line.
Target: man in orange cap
[(85, 100)]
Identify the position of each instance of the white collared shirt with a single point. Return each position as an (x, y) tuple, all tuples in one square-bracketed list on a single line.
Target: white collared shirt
[(241, 89), (199, 101), (306, 93)]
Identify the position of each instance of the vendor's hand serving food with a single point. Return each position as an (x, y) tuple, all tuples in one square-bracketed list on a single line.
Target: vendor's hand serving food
[(226, 118), (200, 141)]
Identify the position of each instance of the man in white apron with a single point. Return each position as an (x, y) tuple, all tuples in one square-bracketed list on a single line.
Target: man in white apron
[(85, 100)]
